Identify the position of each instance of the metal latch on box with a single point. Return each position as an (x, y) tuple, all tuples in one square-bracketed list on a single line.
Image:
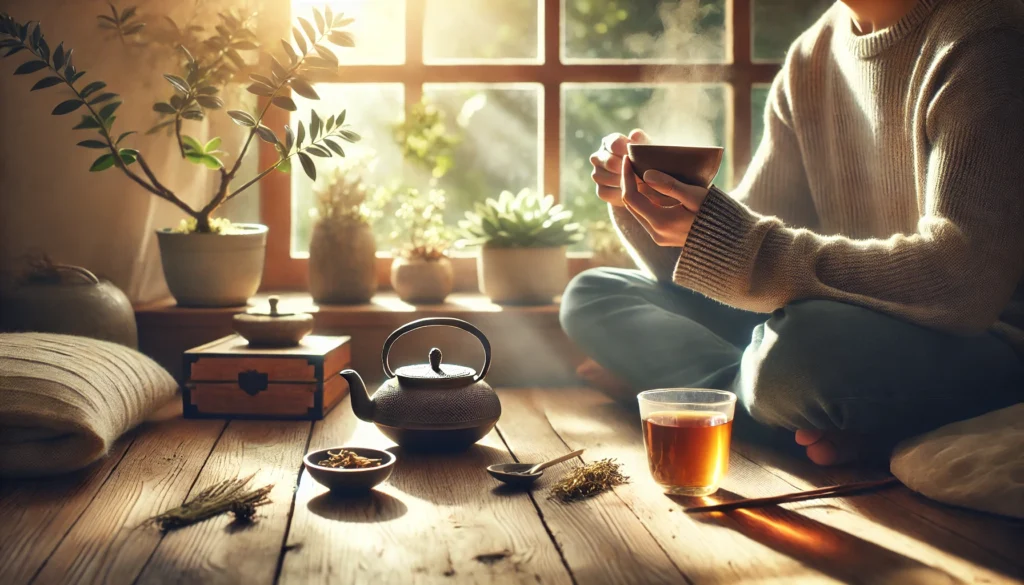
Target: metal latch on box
[(253, 382)]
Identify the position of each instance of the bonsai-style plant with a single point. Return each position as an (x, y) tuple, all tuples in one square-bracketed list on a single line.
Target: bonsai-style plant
[(421, 271), (524, 239), (196, 279), (342, 250)]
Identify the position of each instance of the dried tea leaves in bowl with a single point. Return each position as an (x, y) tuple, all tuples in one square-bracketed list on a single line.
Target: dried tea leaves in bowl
[(588, 481), (346, 459)]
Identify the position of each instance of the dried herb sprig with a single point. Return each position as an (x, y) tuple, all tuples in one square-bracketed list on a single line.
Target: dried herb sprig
[(230, 495), (348, 460), (588, 481)]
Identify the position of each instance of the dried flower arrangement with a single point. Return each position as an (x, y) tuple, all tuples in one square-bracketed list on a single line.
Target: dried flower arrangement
[(231, 495)]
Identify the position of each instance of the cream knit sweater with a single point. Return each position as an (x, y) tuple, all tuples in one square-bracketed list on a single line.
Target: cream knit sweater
[(891, 176)]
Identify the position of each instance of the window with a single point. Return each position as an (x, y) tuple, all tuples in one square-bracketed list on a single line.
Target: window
[(531, 86)]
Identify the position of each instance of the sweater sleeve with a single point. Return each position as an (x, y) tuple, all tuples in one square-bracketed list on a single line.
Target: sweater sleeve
[(959, 268)]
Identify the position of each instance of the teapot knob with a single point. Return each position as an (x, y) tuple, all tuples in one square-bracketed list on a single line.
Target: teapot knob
[(273, 301), (435, 359)]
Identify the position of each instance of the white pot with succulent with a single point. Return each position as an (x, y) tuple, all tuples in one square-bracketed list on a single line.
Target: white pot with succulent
[(523, 241), (207, 260), (342, 249), (421, 272)]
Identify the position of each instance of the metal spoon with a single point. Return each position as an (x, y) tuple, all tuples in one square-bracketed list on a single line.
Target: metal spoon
[(525, 473)]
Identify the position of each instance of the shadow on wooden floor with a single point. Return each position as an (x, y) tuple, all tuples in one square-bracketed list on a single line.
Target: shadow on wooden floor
[(834, 552)]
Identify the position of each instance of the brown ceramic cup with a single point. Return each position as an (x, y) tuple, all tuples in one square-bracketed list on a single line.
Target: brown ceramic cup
[(693, 165)]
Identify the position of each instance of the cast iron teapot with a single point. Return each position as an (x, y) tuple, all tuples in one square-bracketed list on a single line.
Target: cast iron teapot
[(431, 406)]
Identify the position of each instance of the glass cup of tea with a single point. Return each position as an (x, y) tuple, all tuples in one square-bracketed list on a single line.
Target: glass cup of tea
[(687, 432)]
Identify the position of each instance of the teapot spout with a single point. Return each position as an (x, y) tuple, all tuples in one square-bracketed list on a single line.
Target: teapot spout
[(362, 405)]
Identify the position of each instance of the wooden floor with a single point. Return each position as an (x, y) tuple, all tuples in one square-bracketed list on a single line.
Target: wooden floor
[(442, 519)]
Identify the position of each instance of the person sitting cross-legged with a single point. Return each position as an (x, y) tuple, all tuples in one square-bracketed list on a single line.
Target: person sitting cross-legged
[(863, 283)]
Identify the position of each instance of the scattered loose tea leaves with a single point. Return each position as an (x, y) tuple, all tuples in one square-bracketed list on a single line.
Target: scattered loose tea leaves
[(589, 480), (348, 460), (229, 495)]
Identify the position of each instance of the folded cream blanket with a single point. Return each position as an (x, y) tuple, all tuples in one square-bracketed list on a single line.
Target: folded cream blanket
[(64, 400)]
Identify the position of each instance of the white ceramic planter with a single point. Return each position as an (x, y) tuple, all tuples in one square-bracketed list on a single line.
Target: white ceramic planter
[(424, 282), (214, 270), (522, 276)]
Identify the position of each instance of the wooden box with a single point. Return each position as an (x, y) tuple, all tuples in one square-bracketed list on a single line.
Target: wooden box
[(228, 379)]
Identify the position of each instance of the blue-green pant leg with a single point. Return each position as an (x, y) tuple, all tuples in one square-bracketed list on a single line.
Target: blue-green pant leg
[(655, 335), (828, 365)]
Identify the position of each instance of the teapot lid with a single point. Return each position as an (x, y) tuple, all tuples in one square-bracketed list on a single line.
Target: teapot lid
[(435, 374)]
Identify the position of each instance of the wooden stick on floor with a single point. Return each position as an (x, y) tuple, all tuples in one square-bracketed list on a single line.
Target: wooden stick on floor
[(825, 492)]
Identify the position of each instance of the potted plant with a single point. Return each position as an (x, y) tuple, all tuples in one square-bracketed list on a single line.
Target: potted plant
[(421, 272), (342, 250), (207, 261), (524, 239)]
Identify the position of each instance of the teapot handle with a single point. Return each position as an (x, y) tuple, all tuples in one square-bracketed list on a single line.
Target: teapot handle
[(440, 321)]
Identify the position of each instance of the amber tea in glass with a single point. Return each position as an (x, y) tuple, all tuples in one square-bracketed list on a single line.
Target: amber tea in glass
[(687, 434)]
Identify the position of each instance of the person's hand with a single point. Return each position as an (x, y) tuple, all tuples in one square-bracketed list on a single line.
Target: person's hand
[(607, 163), (667, 226)]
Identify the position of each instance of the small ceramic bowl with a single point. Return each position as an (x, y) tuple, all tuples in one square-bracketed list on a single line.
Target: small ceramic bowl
[(343, 480)]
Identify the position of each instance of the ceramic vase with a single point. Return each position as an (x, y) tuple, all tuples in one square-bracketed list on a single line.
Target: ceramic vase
[(342, 263), (420, 281)]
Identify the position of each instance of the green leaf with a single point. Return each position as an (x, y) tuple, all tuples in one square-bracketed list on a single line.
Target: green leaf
[(159, 127), (310, 31), (128, 13), (58, 56), (30, 67), (102, 98), (299, 41), (278, 70), (267, 135), (103, 163), (134, 29), (340, 21), (326, 54), (334, 146), (303, 88), (320, 24), (46, 82), (191, 144), (164, 108), (178, 83), (288, 50), (108, 110), (210, 102), (314, 125), (207, 90), (301, 136), (242, 118), (128, 155), (307, 165), (319, 151), (211, 162), (260, 89), (285, 103), (330, 124), (289, 138), (262, 79), (14, 50), (124, 135), (285, 167), (212, 145), (342, 39), (341, 117), (66, 107), (350, 136), (92, 144), (194, 157), (76, 76), (88, 123), (93, 88), (328, 15)]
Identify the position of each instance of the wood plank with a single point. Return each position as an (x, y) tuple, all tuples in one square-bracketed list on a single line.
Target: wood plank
[(592, 534), (38, 513), (226, 397), (220, 550), (110, 543), (881, 518), (438, 518), (812, 540)]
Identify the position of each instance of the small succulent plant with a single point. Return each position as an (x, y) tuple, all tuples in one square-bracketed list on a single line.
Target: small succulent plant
[(523, 220)]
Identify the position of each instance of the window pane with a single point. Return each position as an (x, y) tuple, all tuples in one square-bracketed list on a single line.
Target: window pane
[(684, 114), (777, 23), (373, 109), (680, 31), (500, 141), (456, 30), (379, 29), (758, 98)]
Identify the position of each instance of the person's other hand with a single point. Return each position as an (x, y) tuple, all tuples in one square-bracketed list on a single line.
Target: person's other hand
[(667, 226), (607, 163)]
